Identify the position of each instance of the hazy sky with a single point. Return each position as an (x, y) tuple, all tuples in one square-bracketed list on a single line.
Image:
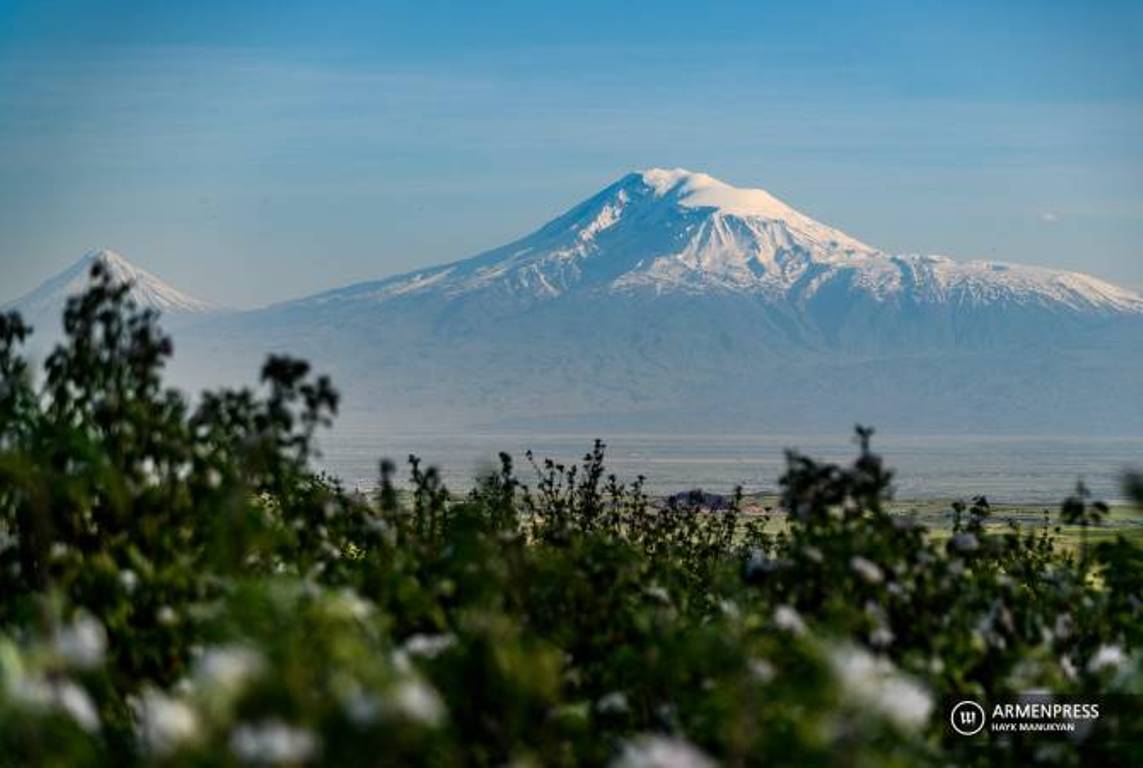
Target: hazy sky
[(256, 151)]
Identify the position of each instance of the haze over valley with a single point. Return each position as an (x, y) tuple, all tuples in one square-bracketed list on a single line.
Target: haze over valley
[(673, 303)]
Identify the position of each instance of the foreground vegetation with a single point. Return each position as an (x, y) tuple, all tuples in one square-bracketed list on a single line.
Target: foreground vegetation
[(178, 586)]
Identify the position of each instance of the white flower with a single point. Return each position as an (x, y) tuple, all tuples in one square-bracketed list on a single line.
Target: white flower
[(875, 611), (128, 579), (730, 609), (164, 723), (762, 670), (150, 472), (1107, 656), (654, 751), (787, 618), (353, 604), (419, 701), (63, 695), (867, 569), (1063, 626), (273, 742), (83, 643), (226, 669), (878, 685), (166, 616), (363, 708), (402, 662), (658, 593), (73, 700), (882, 637), (429, 646), (614, 703)]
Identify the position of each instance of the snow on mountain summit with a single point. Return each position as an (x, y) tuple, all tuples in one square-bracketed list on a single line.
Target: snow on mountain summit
[(700, 190), (147, 290)]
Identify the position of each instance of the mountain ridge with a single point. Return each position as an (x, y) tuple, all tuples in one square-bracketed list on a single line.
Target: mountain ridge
[(707, 236)]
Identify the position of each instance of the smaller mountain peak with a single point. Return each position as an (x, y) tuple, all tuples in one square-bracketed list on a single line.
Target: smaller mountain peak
[(146, 289), (112, 260), (105, 255)]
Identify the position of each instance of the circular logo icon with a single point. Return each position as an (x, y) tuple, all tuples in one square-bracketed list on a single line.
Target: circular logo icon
[(967, 718)]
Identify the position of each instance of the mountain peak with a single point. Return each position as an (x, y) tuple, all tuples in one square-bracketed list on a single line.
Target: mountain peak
[(119, 267), (696, 190), (701, 190), (147, 290), (105, 255)]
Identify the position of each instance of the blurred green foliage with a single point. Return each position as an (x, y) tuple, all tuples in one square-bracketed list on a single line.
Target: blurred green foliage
[(179, 586)]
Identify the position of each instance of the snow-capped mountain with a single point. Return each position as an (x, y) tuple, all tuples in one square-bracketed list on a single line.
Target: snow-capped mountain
[(674, 231), (671, 297), (147, 290), (44, 306)]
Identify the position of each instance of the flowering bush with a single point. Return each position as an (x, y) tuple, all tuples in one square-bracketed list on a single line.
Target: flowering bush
[(180, 587)]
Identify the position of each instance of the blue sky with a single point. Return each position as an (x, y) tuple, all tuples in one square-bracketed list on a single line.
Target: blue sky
[(251, 152)]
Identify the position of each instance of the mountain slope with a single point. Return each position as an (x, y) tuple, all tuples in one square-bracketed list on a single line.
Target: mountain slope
[(671, 295)]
